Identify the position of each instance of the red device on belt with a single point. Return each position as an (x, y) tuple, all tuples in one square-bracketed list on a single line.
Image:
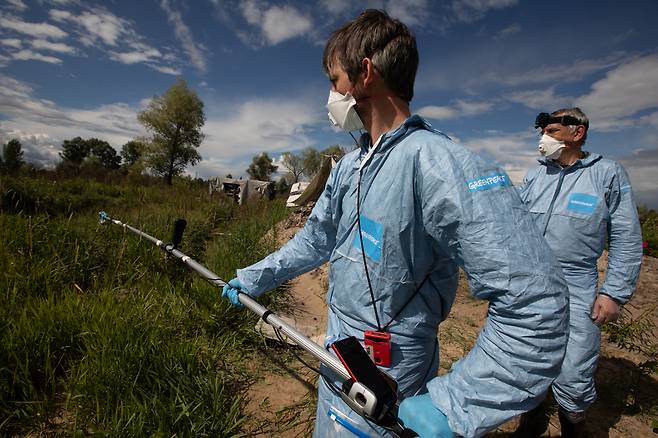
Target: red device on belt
[(378, 346)]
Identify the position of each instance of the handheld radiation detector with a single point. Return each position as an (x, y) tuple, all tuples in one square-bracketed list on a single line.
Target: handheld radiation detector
[(363, 370)]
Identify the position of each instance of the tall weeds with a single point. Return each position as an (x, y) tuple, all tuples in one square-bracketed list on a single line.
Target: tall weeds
[(99, 333)]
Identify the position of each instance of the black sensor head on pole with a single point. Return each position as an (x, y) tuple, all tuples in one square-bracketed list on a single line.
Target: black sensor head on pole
[(177, 235)]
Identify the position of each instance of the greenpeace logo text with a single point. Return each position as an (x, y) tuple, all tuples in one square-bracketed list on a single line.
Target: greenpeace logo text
[(582, 203), (586, 204), (488, 182)]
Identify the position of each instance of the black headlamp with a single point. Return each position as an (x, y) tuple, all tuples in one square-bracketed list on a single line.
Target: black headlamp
[(545, 119)]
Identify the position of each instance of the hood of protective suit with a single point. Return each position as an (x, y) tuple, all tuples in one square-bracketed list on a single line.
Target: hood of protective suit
[(587, 161)]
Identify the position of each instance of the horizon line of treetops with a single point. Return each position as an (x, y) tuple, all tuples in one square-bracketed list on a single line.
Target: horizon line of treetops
[(174, 121)]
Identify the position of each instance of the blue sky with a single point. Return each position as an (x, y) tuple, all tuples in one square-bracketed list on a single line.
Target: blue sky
[(487, 67)]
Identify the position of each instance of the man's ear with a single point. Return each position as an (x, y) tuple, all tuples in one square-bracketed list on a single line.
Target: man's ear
[(368, 71), (579, 134)]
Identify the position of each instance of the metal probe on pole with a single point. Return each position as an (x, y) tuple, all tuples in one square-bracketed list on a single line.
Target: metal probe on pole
[(267, 316)]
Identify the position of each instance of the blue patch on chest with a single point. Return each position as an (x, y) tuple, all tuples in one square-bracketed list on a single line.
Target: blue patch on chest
[(372, 233), (582, 203), (488, 182)]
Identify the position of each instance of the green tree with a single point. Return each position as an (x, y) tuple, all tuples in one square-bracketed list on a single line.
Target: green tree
[(74, 151), (131, 152), (336, 151), (12, 156), (294, 164), (261, 167), (282, 186), (312, 159), (175, 120), (105, 154)]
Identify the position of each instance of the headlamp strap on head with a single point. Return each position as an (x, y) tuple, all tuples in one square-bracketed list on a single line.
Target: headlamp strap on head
[(544, 119)]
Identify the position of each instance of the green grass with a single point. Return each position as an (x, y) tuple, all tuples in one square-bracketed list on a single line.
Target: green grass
[(99, 332)]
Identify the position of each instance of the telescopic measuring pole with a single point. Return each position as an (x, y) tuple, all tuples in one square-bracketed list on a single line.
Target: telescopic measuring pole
[(359, 397)]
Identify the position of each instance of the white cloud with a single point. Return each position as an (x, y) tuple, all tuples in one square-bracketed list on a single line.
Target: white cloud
[(550, 73), (17, 5), (624, 92), (437, 112), (258, 125), (515, 65), (251, 11), (514, 152), (282, 23), (643, 162), (614, 102), (38, 148), (544, 99), (460, 109), (233, 134), (134, 57), (215, 166), (43, 119), (166, 70), (53, 47), (38, 30), (11, 42), (473, 108), (60, 15), (274, 24), (410, 12), (509, 30), (29, 55), (116, 120), (642, 168), (194, 50), (104, 30), (335, 7), (101, 25), (472, 10), (13, 88), (650, 119), (271, 24)]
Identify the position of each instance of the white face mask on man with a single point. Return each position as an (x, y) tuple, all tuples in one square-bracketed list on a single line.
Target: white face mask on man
[(342, 111), (550, 147)]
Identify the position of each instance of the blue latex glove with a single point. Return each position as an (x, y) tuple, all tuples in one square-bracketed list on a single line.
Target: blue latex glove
[(230, 292), (420, 415)]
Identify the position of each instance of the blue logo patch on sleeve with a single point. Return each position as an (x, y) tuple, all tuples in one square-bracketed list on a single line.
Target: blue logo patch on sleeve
[(582, 203), (372, 238), (488, 182)]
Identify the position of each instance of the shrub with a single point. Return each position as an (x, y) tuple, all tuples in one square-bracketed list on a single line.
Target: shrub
[(649, 222)]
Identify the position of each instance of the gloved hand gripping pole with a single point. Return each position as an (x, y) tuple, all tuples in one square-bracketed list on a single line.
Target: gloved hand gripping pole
[(360, 398)]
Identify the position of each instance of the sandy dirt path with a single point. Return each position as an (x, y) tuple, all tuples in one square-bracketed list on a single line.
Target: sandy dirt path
[(282, 399)]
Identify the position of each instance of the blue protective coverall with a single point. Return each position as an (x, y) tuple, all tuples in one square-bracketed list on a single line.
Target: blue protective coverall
[(579, 209), (429, 206)]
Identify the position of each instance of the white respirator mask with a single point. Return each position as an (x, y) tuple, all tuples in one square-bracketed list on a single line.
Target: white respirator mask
[(342, 111), (550, 147)]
